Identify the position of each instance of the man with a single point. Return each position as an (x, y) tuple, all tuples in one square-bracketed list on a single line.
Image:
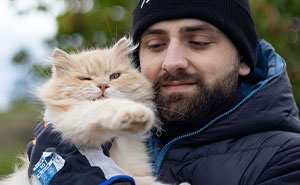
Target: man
[(226, 103), (228, 113)]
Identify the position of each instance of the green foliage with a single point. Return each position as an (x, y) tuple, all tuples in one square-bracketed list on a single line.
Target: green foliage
[(41, 71), (9, 160), (103, 24), (21, 57), (277, 21), (16, 130)]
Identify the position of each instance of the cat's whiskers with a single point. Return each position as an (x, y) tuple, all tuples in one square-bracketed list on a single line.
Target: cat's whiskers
[(128, 95), (120, 94), (124, 94), (92, 93), (163, 108)]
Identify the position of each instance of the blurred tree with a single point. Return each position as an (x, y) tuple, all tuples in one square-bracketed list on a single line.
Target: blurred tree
[(82, 24), (278, 22), (93, 23), (21, 57), (16, 130)]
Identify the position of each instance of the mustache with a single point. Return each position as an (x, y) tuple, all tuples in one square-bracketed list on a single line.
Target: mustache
[(177, 76)]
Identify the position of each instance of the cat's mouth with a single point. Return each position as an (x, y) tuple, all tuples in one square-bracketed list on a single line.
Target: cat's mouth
[(100, 97)]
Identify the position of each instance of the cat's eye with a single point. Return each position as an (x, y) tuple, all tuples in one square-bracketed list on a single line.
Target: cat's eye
[(84, 78), (115, 76)]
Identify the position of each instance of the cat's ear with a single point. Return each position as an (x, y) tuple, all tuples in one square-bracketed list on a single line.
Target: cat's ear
[(124, 46), (61, 62), (58, 53)]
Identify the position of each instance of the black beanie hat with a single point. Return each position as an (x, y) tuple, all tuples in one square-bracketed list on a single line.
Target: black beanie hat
[(232, 17)]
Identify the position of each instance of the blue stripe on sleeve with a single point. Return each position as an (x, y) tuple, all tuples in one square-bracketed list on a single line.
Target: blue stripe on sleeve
[(113, 179)]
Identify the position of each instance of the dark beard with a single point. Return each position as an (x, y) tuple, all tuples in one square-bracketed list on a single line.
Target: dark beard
[(200, 105)]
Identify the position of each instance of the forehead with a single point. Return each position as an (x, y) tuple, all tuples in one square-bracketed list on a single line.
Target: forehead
[(97, 62), (180, 26)]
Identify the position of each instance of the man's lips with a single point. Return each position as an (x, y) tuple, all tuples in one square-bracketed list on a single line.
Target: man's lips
[(177, 85)]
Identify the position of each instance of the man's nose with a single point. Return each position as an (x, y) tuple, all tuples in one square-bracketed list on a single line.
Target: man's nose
[(174, 58)]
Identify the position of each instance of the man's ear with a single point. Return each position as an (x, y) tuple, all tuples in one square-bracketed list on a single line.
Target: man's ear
[(244, 69)]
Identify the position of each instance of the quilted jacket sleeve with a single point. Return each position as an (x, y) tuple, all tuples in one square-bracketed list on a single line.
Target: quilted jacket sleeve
[(56, 163), (283, 169)]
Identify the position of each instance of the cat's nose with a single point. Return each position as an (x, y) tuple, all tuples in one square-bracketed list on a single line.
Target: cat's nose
[(103, 87)]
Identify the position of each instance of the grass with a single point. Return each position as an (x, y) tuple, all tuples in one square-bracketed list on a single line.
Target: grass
[(16, 130), (8, 159)]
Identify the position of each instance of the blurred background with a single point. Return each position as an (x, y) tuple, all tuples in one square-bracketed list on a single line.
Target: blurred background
[(31, 29)]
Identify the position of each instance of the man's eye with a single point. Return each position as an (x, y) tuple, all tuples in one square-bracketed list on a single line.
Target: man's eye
[(115, 76), (199, 44), (156, 47)]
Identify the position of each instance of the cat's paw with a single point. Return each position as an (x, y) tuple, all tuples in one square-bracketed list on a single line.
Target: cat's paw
[(185, 183), (133, 118)]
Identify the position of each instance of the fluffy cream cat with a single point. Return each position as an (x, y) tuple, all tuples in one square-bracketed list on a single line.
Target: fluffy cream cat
[(93, 97)]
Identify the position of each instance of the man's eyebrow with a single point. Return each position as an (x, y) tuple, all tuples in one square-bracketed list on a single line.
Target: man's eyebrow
[(202, 27), (154, 32)]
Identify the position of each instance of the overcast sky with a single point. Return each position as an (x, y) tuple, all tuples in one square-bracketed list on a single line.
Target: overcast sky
[(16, 32)]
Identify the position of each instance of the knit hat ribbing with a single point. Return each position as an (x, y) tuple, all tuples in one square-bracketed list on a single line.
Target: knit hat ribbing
[(232, 17)]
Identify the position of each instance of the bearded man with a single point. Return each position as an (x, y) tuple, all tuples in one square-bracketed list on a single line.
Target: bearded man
[(225, 100)]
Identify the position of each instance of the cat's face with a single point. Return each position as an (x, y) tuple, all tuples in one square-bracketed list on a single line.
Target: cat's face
[(94, 75)]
